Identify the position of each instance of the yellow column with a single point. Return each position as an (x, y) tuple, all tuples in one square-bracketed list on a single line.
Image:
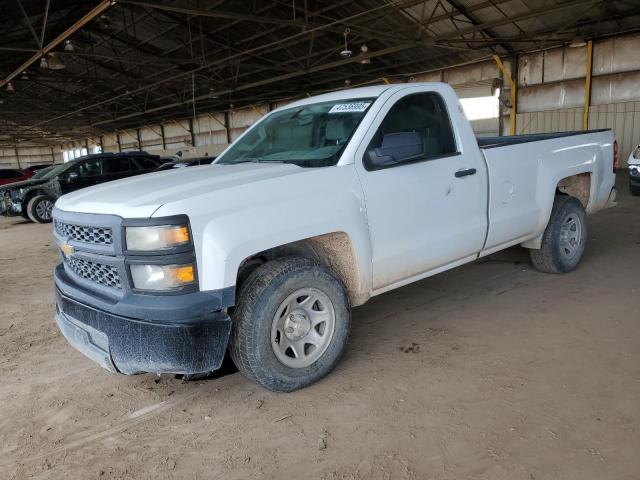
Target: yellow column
[(513, 94), (587, 86)]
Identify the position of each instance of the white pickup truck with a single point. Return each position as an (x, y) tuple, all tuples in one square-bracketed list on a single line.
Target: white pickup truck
[(316, 208)]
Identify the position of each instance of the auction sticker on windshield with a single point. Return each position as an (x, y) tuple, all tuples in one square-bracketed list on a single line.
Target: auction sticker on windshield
[(350, 107)]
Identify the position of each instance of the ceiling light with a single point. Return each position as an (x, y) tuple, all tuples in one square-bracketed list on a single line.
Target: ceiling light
[(577, 42), (346, 53), (55, 63), (68, 46), (44, 63), (364, 55), (10, 87)]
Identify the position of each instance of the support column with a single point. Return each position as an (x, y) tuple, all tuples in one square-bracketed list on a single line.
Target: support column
[(118, 140), (139, 139), (15, 149), (227, 128), (193, 136), (164, 141), (587, 86), (513, 98)]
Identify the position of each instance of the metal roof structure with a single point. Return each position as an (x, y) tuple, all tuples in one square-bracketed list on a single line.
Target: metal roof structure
[(71, 69)]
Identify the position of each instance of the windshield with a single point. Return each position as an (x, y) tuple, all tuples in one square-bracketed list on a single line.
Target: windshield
[(51, 172), (42, 172), (309, 135)]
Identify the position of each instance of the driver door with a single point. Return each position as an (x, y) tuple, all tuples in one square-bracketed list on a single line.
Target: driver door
[(426, 211)]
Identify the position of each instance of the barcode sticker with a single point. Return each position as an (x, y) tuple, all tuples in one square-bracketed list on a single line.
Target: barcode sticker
[(350, 107)]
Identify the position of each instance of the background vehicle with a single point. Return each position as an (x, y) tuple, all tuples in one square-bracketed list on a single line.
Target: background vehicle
[(316, 208), (634, 171), (34, 199), (186, 162), (13, 175)]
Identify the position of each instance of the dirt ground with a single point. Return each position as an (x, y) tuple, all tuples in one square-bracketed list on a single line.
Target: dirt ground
[(491, 371)]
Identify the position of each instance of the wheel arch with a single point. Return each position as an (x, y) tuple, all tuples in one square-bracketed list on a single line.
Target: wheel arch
[(578, 185), (334, 250)]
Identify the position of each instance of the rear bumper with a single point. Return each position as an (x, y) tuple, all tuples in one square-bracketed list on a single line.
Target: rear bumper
[(123, 344)]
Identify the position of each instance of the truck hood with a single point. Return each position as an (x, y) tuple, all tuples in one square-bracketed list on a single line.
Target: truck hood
[(141, 196)]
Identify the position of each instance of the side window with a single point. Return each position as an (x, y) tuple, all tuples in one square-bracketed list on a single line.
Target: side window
[(10, 174), (117, 165), (141, 163), (86, 168), (416, 128)]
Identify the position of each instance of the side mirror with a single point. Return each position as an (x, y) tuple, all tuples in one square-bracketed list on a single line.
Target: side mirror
[(71, 176), (397, 148)]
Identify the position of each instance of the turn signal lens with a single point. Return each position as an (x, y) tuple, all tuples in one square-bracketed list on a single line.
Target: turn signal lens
[(162, 277), (160, 237)]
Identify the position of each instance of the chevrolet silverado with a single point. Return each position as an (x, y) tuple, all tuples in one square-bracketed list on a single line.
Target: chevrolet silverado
[(317, 207)]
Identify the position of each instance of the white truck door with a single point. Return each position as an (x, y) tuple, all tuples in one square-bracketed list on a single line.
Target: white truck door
[(425, 186)]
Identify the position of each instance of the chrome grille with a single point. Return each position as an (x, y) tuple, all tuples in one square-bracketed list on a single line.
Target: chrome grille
[(93, 235), (106, 275)]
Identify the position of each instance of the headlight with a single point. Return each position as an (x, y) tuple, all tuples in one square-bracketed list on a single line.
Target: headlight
[(156, 238), (162, 277)]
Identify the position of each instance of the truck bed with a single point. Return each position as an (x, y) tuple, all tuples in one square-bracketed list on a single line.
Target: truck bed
[(493, 142)]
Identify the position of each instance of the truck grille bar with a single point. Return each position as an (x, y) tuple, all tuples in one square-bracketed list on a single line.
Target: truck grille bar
[(93, 235)]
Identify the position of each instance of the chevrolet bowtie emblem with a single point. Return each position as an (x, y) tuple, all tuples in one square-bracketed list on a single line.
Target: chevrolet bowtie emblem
[(67, 249)]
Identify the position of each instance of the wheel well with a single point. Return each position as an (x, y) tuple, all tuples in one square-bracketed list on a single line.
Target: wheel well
[(578, 186), (332, 249), (30, 195)]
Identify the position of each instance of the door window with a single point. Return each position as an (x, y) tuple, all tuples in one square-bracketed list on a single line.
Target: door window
[(141, 163), (117, 165), (416, 128), (10, 174), (86, 168)]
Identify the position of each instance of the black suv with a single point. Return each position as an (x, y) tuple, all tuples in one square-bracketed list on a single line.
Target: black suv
[(34, 198)]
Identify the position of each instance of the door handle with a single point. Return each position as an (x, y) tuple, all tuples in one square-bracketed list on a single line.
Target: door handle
[(465, 172)]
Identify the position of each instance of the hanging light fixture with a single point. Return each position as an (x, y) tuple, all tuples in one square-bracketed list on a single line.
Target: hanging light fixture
[(10, 87), (578, 42), (364, 55), (44, 63), (346, 53), (55, 63), (68, 46)]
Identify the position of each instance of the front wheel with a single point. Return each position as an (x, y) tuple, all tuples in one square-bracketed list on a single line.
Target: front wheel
[(290, 325), (634, 189), (564, 239), (39, 209)]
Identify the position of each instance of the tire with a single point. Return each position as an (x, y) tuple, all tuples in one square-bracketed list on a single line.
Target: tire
[(635, 190), (305, 297), (39, 208), (564, 239)]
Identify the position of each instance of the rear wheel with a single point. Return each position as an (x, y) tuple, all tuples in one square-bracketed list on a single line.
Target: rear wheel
[(564, 239), (39, 208), (291, 324)]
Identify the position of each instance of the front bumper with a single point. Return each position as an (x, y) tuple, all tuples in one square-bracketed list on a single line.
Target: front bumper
[(193, 340), (8, 207)]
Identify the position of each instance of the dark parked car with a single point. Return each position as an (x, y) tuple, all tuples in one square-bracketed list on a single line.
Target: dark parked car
[(34, 198), (185, 162), (13, 175)]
